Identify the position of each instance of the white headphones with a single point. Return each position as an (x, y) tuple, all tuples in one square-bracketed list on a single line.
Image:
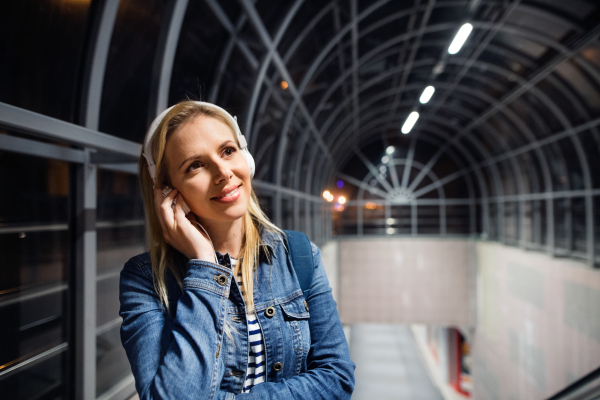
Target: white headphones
[(147, 150)]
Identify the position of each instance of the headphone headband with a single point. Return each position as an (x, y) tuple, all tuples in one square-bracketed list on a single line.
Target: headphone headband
[(147, 149)]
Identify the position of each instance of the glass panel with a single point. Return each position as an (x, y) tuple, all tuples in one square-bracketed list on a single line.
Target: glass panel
[(511, 218), (428, 219), (374, 219), (121, 235), (579, 223), (457, 220), (266, 203), (41, 45), (39, 187), (348, 223), (124, 110), (112, 364), (562, 211), (43, 380), (201, 43), (33, 274), (400, 220)]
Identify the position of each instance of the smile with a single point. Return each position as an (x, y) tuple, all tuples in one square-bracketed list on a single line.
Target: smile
[(229, 197)]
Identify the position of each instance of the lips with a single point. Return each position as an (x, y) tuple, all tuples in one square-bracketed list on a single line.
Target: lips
[(227, 193)]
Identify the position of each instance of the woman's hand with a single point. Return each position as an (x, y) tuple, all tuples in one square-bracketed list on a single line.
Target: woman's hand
[(180, 231)]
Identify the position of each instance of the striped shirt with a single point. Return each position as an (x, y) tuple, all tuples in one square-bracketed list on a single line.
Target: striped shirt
[(255, 372)]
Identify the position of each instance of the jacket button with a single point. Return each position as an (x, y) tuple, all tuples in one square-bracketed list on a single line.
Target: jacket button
[(269, 312), (278, 366), (221, 280), (305, 306)]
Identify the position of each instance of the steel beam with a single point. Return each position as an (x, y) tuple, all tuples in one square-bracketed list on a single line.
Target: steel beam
[(164, 57), (94, 80), (22, 120)]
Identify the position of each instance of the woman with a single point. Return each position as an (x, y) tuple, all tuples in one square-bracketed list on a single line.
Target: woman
[(215, 310)]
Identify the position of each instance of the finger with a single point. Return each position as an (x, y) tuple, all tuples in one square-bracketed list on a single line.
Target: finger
[(165, 210), (178, 211)]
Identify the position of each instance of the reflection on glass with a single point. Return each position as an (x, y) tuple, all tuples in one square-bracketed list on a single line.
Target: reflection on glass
[(121, 235), (33, 276)]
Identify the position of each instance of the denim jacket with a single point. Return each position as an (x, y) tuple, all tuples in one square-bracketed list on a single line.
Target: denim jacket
[(185, 354)]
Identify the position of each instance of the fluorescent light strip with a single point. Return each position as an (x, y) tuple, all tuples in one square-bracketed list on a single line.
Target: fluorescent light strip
[(426, 95), (460, 38), (410, 122)]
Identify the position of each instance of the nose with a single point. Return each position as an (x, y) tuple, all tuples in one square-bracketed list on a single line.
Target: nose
[(222, 172)]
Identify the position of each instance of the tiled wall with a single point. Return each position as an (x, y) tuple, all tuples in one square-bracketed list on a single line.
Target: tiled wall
[(536, 318), (405, 281), (538, 323), (330, 258)]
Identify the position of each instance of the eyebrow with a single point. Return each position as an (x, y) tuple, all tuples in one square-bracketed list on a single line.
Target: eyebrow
[(198, 156)]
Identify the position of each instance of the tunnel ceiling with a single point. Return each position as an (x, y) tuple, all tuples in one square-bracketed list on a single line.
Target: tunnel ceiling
[(507, 147), (322, 90)]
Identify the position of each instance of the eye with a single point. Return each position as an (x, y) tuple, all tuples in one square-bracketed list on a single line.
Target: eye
[(229, 151), (193, 166)]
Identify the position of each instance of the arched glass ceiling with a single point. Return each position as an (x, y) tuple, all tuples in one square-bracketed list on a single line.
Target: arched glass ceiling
[(506, 147)]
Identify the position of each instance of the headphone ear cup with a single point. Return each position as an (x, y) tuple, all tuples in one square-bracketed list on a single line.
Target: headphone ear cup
[(249, 161)]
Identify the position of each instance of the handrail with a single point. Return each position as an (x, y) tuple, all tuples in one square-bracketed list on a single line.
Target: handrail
[(31, 359), (579, 385), (41, 125)]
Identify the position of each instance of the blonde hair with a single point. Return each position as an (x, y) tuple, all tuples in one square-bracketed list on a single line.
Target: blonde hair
[(164, 256)]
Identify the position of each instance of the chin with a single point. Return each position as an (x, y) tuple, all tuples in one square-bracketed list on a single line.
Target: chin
[(230, 214)]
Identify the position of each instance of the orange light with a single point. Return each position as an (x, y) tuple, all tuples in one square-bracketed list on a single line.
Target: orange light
[(284, 85), (328, 196), (342, 200), (371, 206)]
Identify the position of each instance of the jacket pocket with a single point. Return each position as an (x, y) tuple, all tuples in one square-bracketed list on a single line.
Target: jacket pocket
[(296, 318)]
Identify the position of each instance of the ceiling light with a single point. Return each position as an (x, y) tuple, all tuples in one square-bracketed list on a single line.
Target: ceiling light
[(460, 38), (284, 85), (426, 95), (390, 221), (326, 194), (370, 206), (390, 149), (390, 231), (410, 122), (385, 159), (342, 200)]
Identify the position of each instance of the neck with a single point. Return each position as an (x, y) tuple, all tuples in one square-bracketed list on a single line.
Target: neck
[(226, 236)]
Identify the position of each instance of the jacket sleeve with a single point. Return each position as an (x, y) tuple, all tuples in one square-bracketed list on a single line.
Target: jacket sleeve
[(330, 371), (178, 358)]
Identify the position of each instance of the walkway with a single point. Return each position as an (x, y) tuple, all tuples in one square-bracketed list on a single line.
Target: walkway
[(388, 364)]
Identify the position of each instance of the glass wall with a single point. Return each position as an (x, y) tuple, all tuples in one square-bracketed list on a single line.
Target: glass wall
[(34, 277)]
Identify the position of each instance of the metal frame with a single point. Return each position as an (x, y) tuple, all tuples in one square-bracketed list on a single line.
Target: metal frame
[(165, 56)]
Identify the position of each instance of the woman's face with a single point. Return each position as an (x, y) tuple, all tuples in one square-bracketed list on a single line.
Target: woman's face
[(207, 167)]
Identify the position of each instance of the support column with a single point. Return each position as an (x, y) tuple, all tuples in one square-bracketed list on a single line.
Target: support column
[(82, 290)]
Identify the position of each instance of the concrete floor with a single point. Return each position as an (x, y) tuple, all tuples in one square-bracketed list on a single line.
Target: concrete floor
[(388, 364)]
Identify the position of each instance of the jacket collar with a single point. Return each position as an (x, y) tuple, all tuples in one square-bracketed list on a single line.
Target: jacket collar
[(270, 242)]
